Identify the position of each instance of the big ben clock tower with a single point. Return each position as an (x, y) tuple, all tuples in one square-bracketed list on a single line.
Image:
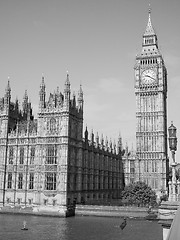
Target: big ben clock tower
[(151, 113)]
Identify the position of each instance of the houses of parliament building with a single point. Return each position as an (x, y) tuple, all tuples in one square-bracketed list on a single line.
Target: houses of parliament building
[(49, 163)]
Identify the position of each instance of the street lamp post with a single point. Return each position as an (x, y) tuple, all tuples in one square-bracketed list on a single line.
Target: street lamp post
[(173, 147)]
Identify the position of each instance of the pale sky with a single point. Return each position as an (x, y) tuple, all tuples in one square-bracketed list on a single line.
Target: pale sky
[(97, 42)]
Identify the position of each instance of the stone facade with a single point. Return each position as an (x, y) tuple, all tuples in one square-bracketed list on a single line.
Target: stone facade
[(129, 161), (151, 113), (46, 162)]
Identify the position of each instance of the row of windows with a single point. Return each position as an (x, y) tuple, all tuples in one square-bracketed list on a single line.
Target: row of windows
[(149, 41), (20, 181), (149, 61), (21, 155), (51, 155), (50, 181), (149, 155), (93, 182), (150, 166)]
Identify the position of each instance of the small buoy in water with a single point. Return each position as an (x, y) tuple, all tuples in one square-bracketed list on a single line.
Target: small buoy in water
[(24, 226)]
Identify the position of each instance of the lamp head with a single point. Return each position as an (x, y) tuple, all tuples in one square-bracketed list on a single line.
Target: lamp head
[(172, 137)]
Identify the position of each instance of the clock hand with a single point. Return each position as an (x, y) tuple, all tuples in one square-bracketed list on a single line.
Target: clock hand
[(149, 77), (152, 78)]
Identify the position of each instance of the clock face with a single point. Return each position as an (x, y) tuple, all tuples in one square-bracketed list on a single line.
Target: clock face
[(148, 76)]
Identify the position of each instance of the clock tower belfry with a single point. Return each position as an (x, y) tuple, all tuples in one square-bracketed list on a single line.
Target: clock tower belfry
[(151, 113)]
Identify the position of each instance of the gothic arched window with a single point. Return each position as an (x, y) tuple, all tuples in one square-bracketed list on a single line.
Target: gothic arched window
[(11, 154), (21, 159), (50, 181), (9, 184), (32, 155), (52, 125), (51, 154)]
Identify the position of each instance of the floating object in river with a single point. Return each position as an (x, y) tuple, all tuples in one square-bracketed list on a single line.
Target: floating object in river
[(24, 226)]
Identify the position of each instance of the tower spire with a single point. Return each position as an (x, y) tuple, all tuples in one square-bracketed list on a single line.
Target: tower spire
[(149, 36), (149, 28)]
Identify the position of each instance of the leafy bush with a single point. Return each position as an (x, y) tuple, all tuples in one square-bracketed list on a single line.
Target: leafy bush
[(139, 194), (164, 197)]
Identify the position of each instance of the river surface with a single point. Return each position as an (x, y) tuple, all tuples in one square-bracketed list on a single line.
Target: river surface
[(76, 228)]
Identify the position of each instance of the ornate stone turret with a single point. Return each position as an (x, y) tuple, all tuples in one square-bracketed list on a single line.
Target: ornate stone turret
[(102, 142), (86, 134), (92, 137), (67, 89), (80, 98), (106, 144), (119, 145), (26, 106), (97, 139), (74, 100), (7, 96), (42, 94), (110, 145), (25, 103), (4, 111), (114, 147)]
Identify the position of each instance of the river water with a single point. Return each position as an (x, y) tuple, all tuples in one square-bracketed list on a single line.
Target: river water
[(76, 228)]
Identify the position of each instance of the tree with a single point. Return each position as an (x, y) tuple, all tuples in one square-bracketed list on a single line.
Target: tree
[(139, 194)]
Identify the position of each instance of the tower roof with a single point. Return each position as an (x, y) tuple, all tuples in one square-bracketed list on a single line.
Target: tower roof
[(149, 28)]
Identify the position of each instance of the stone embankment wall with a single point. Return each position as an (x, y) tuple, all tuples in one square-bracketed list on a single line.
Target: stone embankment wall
[(111, 211), (83, 210)]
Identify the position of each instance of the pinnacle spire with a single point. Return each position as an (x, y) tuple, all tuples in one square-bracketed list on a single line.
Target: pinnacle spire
[(67, 82), (25, 95), (120, 142), (42, 82), (80, 93), (67, 87), (8, 88), (67, 77), (80, 90), (42, 77), (149, 29)]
